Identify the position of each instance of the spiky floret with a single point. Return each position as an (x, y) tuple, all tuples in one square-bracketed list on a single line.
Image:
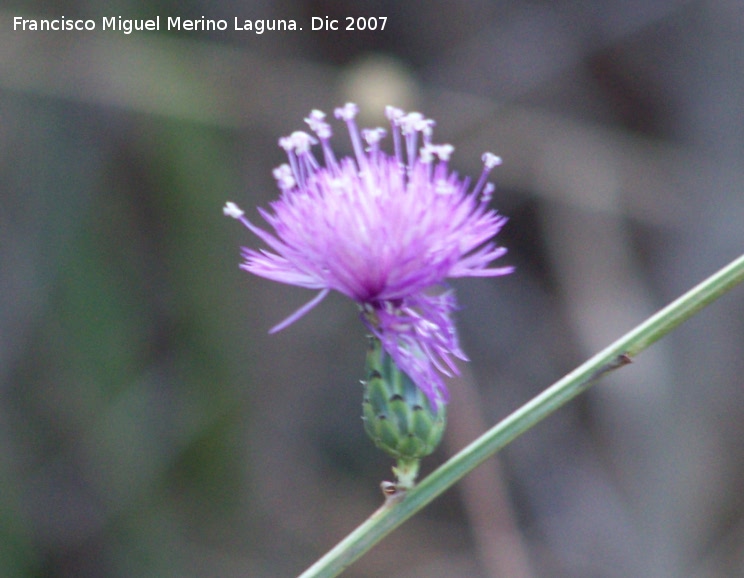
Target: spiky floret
[(385, 230)]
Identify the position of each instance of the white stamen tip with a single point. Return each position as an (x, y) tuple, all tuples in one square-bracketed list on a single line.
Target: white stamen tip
[(393, 113), (284, 177), (487, 192), (491, 160), (429, 151), (232, 210), (426, 154), (425, 126), (373, 135), (445, 151), (347, 112), (411, 122), (301, 141), (316, 122)]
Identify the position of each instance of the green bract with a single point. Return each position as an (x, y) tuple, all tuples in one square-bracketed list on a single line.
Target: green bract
[(398, 416)]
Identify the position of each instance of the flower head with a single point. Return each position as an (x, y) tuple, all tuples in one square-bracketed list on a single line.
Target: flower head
[(385, 230)]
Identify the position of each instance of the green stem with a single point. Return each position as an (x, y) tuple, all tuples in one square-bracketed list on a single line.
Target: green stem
[(401, 506), (405, 472)]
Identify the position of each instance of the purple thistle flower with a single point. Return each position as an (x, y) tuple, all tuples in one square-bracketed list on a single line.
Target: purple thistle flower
[(387, 231)]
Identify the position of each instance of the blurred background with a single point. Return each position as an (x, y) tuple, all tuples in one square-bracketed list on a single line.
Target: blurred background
[(149, 425)]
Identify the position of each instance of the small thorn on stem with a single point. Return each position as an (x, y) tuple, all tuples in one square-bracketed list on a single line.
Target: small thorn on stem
[(388, 488), (392, 492)]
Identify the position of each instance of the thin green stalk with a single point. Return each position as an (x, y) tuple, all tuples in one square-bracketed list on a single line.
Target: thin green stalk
[(401, 506)]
